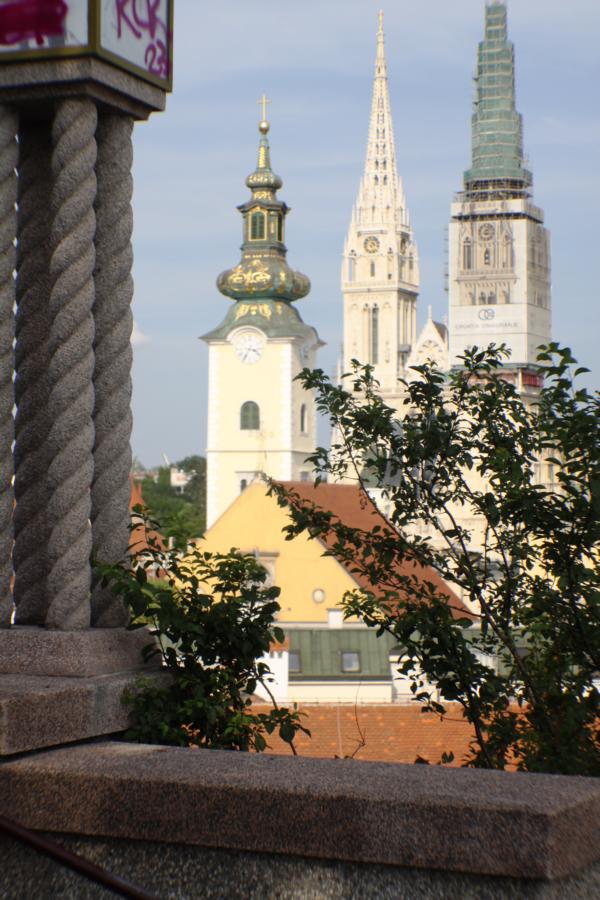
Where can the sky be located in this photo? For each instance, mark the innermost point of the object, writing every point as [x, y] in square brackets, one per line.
[315, 59]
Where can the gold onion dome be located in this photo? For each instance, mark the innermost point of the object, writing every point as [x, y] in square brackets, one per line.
[263, 271]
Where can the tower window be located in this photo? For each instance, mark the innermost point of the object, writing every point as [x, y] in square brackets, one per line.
[250, 416]
[467, 254]
[351, 267]
[372, 270]
[375, 335]
[303, 419]
[487, 257]
[257, 226]
[280, 228]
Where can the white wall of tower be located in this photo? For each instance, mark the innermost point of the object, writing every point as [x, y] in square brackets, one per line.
[285, 436]
[499, 278]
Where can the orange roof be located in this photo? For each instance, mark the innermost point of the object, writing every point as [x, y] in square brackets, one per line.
[140, 538]
[352, 506]
[387, 732]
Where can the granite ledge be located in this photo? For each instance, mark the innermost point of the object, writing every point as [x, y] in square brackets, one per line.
[484, 823]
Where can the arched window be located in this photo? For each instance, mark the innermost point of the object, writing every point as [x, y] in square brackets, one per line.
[280, 228]
[249, 416]
[352, 266]
[375, 335]
[372, 270]
[467, 254]
[257, 226]
[303, 419]
[487, 257]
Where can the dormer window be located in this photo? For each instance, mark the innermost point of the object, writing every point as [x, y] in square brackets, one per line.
[257, 226]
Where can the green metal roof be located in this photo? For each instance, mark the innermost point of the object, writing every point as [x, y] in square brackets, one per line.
[497, 127]
[321, 651]
[263, 272]
[275, 318]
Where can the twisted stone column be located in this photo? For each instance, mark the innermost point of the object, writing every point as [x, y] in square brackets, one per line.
[113, 356]
[8, 232]
[71, 399]
[31, 378]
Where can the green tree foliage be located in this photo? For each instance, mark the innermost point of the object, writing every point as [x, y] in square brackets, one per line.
[468, 446]
[213, 618]
[182, 516]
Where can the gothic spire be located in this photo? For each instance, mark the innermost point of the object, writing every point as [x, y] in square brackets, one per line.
[381, 193]
[497, 127]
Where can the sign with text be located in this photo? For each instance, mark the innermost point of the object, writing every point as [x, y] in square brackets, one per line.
[133, 34]
[138, 31]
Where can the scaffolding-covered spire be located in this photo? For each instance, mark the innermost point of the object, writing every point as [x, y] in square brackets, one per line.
[497, 127]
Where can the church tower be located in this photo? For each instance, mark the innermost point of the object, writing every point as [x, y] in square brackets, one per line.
[380, 270]
[499, 266]
[260, 421]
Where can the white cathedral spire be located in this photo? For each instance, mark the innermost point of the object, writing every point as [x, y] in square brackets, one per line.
[381, 194]
[380, 274]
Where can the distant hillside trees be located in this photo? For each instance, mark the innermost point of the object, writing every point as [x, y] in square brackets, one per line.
[181, 516]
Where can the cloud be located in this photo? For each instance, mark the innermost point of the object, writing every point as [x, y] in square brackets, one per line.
[138, 338]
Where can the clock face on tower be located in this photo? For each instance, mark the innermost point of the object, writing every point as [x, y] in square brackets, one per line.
[486, 232]
[371, 244]
[248, 347]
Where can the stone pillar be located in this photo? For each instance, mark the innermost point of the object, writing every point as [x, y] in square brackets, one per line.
[8, 227]
[65, 665]
[113, 356]
[70, 344]
[31, 375]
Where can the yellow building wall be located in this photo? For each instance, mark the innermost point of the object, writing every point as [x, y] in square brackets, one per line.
[254, 522]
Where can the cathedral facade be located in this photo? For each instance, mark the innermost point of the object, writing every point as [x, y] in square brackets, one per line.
[499, 250]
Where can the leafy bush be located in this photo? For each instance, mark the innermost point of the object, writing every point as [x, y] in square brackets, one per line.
[213, 618]
[467, 449]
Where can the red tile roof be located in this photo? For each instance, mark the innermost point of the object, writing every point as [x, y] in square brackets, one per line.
[385, 732]
[140, 538]
[352, 506]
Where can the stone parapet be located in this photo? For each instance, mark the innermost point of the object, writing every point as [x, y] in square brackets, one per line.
[62, 686]
[484, 823]
[38, 712]
[71, 654]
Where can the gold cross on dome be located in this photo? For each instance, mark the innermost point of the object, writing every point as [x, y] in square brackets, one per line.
[263, 101]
